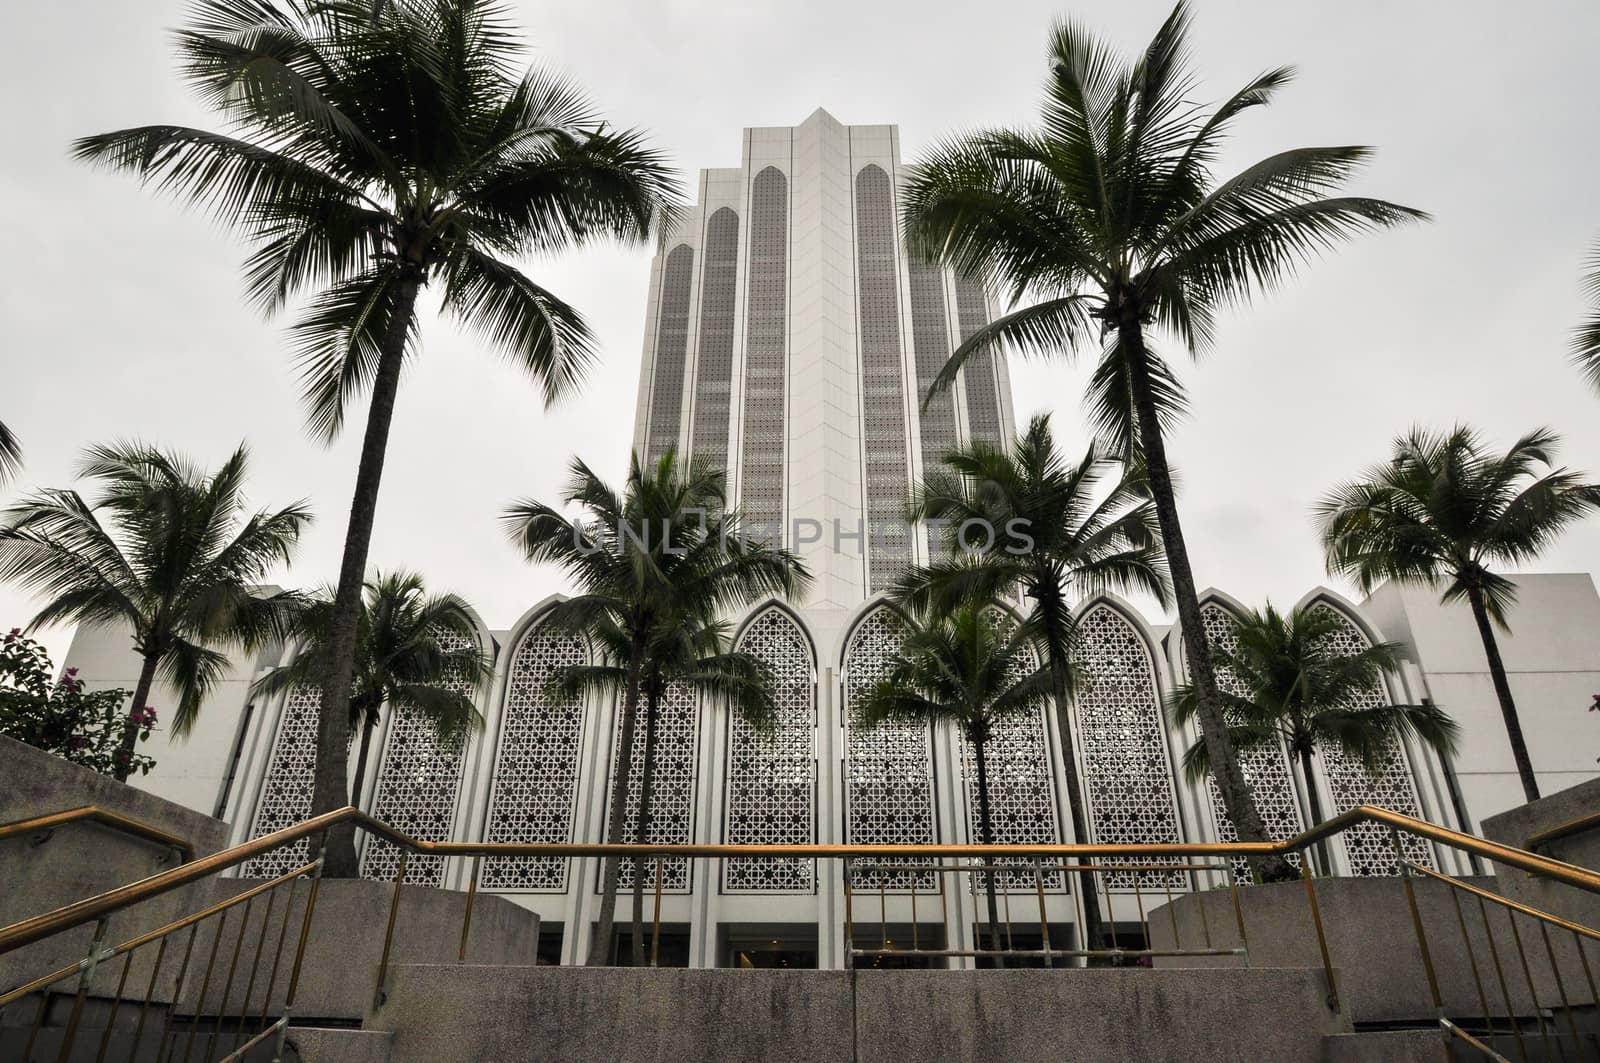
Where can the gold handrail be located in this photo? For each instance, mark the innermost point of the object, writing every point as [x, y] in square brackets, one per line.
[41, 926]
[106, 818]
[1562, 830]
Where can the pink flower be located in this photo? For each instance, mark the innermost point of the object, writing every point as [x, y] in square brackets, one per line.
[71, 672]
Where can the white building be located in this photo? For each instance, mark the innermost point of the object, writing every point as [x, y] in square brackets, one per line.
[789, 338]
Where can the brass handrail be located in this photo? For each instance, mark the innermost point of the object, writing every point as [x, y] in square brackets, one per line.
[41, 926]
[1562, 830]
[104, 817]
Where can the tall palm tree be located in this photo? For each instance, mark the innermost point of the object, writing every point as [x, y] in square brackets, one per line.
[1445, 509]
[415, 652]
[1108, 217]
[661, 553]
[10, 453]
[690, 653]
[1586, 338]
[964, 668]
[1081, 539]
[373, 151]
[165, 548]
[1295, 686]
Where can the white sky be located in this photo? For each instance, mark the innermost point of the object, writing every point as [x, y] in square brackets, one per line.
[121, 314]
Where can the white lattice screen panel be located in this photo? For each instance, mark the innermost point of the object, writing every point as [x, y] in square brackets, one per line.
[535, 765]
[761, 466]
[1265, 764]
[713, 380]
[1022, 800]
[1122, 739]
[888, 769]
[418, 783]
[671, 354]
[671, 786]
[888, 486]
[286, 791]
[982, 390]
[1368, 847]
[772, 776]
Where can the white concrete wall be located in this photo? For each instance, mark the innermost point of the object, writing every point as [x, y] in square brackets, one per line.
[1552, 658]
[190, 769]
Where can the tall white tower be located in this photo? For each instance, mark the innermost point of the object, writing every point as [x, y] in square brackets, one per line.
[791, 338]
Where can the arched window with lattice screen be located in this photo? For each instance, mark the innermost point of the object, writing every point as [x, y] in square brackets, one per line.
[771, 791]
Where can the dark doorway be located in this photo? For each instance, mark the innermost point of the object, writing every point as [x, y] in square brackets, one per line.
[548, 951]
[1028, 939]
[903, 945]
[672, 952]
[768, 946]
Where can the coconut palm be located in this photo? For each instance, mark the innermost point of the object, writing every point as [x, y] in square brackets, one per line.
[969, 669]
[415, 653]
[1586, 339]
[687, 652]
[1107, 219]
[1081, 538]
[373, 151]
[1292, 684]
[661, 553]
[10, 453]
[167, 549]
[1444, 509]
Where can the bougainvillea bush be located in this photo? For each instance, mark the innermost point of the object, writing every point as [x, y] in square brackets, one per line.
[59, 716]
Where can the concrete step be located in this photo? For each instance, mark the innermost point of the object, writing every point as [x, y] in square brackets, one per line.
[313, 1045]
[1386, 1046]
[464, 1014]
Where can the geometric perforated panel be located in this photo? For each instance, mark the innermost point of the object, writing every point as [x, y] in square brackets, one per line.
[1122, 736]
[286, 791]
[888, 485]
[1264, 763]
[536, 760]
[888, 789]
[1369, 847]
[671, 785]
[930, 337]
[982, 391]
[714, 366]
[772, 775]
[418, 783]
[761, 468]
[1022, 801]
[671, 352]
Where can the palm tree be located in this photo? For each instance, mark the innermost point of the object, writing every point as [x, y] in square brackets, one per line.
[1108, 215]
[1079, 541]
[374, 150]
[414, 653]
[10, 453]
[1445, 509]
[165, 549]
[1586, 338]
[972, 670]
[1293, 685]
[690, 653]
[658, 555]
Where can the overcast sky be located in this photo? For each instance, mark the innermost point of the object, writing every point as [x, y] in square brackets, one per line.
[121, 314]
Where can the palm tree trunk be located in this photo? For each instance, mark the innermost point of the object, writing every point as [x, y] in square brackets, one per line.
[647, 775]
[331, 787]
[361, 763]
[1231, 781]
[986, 837]
[1093, 928]
[1502, 690]
[1314, 800]
[600, 947]
[130, 727]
